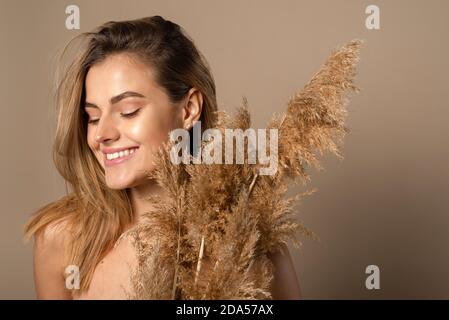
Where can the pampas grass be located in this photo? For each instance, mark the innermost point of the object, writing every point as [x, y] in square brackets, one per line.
[209, 238]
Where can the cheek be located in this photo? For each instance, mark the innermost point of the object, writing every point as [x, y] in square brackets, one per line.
[153, 128]
[93, 145]
[90, 142]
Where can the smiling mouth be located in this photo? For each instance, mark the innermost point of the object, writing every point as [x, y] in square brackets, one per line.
[112, 159]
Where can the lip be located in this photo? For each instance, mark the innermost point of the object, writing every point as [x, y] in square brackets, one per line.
[113, 162]
[112, 150]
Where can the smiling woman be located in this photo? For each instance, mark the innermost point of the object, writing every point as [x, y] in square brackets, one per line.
[129, 116]
[132, 83]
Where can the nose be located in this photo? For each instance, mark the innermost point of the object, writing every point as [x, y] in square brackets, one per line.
[106, 130]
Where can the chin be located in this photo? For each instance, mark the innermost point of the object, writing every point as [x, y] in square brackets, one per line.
[118, 185]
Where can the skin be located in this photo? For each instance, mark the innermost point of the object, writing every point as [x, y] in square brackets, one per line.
[117, 86]
[156, 117]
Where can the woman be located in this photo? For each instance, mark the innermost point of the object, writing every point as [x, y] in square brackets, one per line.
[131, 84]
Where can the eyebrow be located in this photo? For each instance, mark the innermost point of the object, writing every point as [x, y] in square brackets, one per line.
[117, 98]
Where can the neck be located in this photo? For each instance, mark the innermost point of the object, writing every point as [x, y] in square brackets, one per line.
[138, 195]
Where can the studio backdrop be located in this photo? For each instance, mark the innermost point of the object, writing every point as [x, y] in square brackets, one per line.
[383, 210]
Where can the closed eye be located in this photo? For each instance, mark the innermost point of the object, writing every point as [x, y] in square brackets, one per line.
[125, 115]
[130, 114]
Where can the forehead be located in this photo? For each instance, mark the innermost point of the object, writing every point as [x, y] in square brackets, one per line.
[116, 74]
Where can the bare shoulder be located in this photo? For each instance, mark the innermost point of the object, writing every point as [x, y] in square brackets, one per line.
[112, 278]
[49, 258]
[285, 285]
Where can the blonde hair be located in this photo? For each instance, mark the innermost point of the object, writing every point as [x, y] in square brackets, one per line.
[97, 215]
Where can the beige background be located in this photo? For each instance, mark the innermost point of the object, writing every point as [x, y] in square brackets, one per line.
[385, 204]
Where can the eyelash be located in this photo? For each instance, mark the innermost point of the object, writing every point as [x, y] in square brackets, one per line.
[124, 115]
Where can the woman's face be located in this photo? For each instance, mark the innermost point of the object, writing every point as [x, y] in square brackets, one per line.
[129, 117]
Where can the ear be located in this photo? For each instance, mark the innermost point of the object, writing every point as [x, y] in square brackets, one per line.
[191, 110]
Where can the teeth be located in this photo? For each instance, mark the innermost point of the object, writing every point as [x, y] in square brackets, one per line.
[112, 156]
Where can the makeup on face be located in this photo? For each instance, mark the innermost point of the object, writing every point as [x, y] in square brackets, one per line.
[129, 117]
[114, 156]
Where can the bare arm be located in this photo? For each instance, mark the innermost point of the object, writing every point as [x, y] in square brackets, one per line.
[49, 265]
[285, 285]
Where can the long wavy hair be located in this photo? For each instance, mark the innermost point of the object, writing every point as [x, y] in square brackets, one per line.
[95, 215]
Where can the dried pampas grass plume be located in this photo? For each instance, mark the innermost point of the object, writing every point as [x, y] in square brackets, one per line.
[210, 238]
